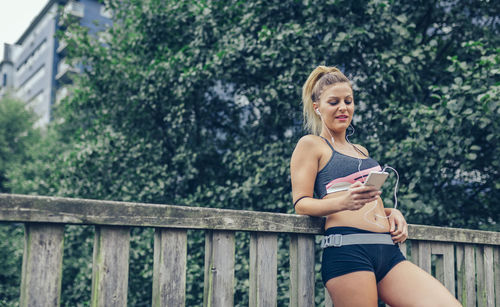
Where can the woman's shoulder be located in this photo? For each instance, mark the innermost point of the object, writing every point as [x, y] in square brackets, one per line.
[310, 140]
[309, 144]
[308, 149]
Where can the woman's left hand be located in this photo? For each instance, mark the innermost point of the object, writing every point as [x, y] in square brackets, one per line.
[399, 227]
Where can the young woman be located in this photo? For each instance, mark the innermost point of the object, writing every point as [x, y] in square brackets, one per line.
[361, 261]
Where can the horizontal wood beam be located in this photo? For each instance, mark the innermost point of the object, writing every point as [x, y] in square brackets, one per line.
[28, 208]
[457, 235]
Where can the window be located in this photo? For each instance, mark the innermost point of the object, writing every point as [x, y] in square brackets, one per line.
[4, 82]
[25, 89]
[32, 57]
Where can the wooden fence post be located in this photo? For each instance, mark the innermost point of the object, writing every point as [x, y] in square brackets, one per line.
[480, 274]
[424, 256]
[42, 265]
[110, 266]
[263, 270]
[328, 299]
[496, 272]
[489, 276]
[467, 275]
[169, 268]
[219, 269]
[302, 270]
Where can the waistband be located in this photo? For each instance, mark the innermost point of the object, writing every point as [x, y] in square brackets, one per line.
[340, 236]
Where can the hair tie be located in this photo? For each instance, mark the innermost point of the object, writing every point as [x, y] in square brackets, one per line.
[295, 203]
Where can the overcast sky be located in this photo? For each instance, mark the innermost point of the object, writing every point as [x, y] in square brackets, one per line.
[15, 18]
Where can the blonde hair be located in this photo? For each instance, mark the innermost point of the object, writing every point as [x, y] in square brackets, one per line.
[311, 91]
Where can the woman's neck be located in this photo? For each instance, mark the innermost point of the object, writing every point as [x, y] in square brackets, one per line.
[338, 138]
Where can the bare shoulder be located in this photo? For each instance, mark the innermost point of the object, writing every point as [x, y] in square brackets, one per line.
[308, 142]
[308, 147]
[304, 163]
[363, 149]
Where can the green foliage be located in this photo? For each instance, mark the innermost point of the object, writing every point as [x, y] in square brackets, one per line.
[77, 265]
[11, 256]
[198, 103]
[141, 264]
[209, 116]
[42, 171]
[456, 137]
[16, 136]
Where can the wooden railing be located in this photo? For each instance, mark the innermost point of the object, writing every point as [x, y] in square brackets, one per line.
[466, 261]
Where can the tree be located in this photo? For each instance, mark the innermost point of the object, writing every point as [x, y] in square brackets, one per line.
[213, 88]
[17, 134]
[458, 142]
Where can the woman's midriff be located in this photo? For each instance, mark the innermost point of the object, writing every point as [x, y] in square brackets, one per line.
[370, 217]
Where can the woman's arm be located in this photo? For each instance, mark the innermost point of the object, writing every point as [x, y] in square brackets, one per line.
[303, 169]
[356, 197]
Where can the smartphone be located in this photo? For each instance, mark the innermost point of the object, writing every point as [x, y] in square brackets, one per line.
[376, 179]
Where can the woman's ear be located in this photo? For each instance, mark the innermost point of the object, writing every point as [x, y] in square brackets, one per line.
[316, 108]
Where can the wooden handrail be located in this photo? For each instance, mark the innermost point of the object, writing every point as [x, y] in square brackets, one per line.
[28, 208]
[466, 261]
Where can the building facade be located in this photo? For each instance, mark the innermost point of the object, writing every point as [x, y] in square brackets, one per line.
[35, 69]
[6, 70]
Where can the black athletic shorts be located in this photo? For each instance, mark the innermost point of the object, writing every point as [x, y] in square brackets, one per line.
[377, 258]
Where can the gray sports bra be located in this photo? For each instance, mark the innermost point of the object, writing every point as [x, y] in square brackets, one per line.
[341, 171]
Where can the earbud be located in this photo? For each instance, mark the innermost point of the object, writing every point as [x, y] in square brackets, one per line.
[317, 112]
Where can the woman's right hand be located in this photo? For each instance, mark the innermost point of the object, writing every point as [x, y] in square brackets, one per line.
[359, 195]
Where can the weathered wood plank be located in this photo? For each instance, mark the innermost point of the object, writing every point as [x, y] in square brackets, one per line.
[445, 266]
[328, 299]
[169, 267]
[460, 272]
[263, 269]
[470, 277]
[453, 235]
[424, 256]
[42, 265]
[496, 273]
[301, 270]
[480, 271]
[402, 248]
[110, 266]
[414, 251]
[439, 267]
[488, 276]
[100, 212]
[219, 269]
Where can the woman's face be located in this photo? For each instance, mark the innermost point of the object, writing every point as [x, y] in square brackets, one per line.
[336, 105]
